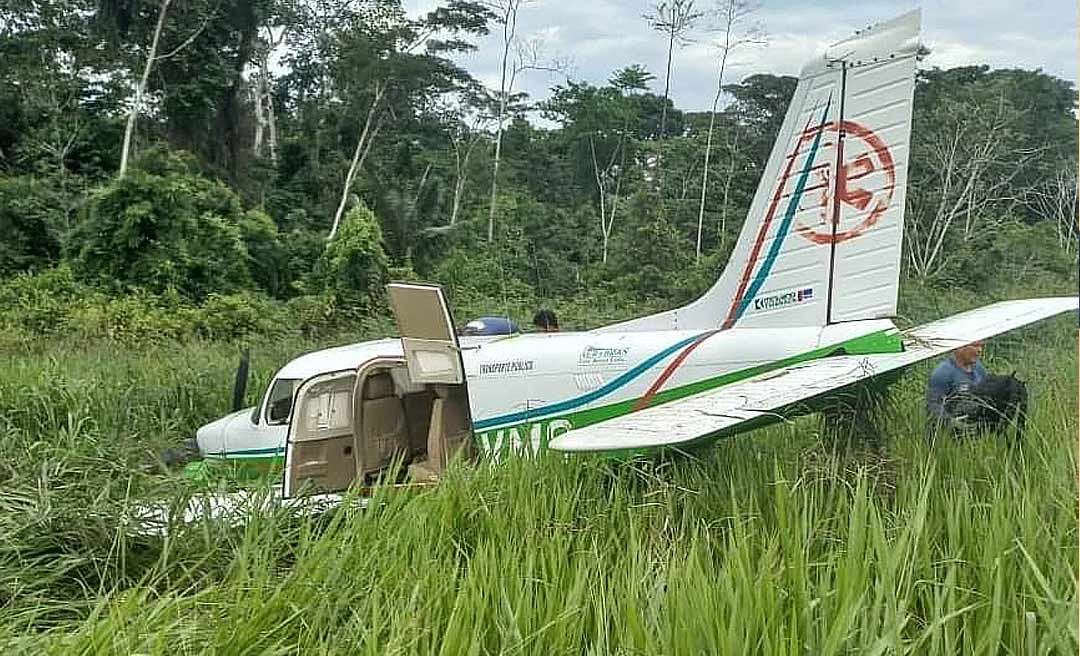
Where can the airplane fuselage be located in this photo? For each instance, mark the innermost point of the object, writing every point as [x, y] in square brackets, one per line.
[525, 389]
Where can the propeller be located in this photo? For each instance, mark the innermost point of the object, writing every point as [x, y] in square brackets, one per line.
[240, 386]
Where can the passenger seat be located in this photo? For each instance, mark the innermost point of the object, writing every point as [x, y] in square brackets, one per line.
[383, 432]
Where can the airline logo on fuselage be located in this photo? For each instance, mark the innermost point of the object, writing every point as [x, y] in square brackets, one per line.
[593, 355]
[778, 301]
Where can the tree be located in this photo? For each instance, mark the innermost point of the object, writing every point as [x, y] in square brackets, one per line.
[163, 227]
[140, 89]
[506, 14]
[526, 57]
[597, 120]
[731, 14]
[673, 19]
[464, 121]
[199, 81]
[966, 157]
[1056, 201]
[354, 268]
[381, 60]
[759, 104]
[263, 98]
[30, 220]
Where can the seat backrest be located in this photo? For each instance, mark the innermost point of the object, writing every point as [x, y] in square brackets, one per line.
[383, 432]
[449, 430]
[378, 386]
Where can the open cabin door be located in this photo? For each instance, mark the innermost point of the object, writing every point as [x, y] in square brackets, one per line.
[433, 358]
[427, 334]
[319, 446]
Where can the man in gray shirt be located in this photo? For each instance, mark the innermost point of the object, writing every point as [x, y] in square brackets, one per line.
[954, 376]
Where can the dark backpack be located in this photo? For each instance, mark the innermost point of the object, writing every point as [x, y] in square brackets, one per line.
[994, 403]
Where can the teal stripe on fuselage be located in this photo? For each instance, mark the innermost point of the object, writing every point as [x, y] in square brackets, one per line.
[577, 402]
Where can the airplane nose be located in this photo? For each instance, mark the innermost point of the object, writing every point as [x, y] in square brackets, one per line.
[208, 438]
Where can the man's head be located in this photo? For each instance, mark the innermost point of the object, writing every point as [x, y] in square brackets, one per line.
[545, 321]
[968, 354]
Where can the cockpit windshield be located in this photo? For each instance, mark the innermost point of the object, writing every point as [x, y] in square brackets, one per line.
[279, 403]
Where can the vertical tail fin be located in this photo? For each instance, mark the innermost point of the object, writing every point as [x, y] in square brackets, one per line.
[821, 243]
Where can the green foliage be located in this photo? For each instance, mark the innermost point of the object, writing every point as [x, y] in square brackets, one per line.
[160, 232]
[1013, 253]
[479, 282]
[651, 258]
[41, 303]
[55, 303]
[32, 221]
[353, 268]
[267, 256]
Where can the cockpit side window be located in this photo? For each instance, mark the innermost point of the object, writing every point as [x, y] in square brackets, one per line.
[279, 403]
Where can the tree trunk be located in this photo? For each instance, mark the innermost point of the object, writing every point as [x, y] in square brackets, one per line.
[599, 188]
[271, 125]
[459, 189]
[260, 115]
[727, 186]
[663, 120]
[230, 137]
[271, 122]
[125, 150]
[708, 140]
[363, 145]
[462, 165]
[509, 28]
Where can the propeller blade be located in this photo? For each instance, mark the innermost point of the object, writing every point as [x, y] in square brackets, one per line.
[240, 386]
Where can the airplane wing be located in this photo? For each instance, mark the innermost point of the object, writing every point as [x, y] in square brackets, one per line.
[768, 394]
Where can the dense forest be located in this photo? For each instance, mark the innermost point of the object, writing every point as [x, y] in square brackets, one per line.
[218, 168]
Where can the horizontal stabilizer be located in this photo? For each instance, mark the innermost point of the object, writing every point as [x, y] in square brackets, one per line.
[722, 410]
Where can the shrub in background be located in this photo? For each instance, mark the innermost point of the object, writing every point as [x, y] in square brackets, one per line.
[267, 256]
[42, 303]
[354, 267]
[31, 222]
[173, 230]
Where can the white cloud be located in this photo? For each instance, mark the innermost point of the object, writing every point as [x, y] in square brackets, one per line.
[601, 36]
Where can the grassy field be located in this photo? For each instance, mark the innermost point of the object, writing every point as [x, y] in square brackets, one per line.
[766, 544]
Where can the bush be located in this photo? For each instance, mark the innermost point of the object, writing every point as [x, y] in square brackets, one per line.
[477, 284]
[139, 318]
[41, 303]
[31, 217]
[1014, 253]
[354, 267]
[240, 316]
[160, 232]
[267, 257]
[302, 251]
[651, 260]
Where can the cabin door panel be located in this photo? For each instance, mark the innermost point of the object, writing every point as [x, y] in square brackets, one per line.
[319, 451]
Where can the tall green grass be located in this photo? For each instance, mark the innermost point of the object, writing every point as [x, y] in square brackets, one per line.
[765, 544]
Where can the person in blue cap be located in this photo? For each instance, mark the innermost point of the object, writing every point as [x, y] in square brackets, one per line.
[954, 377]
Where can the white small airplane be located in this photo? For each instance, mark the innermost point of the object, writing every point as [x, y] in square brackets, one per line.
[803, 309]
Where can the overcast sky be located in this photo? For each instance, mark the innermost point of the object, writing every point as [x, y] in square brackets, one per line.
[600, 36]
